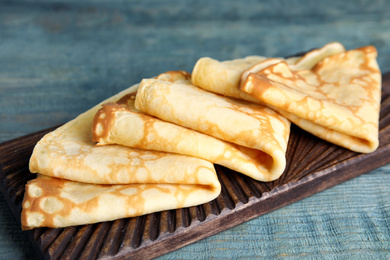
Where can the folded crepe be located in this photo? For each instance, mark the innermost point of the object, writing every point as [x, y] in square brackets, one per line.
[246, 126]
[224, 77]
[94, 184]
[329, 92]
[54, 202]
[121, 123]
[336, 98]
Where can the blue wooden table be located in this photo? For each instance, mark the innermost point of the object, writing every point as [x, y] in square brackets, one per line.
[57, 59]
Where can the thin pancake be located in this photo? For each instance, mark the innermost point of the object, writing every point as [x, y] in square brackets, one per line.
[242, 123]
[69, 154]
[53, 202]
[336, 98]
[121, 123]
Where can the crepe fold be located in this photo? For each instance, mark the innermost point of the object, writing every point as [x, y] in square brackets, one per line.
[336, 99]
[329, 92]
[89, 184]
[240, 135]
[54, 202]
[121, 123]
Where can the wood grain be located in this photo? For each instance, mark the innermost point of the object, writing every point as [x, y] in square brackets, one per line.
[313, 165]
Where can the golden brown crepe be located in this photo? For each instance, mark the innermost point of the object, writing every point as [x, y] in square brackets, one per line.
[348, 101]
[336, 98]
[121, 123]
[68, 153]
[245, 124]
[53, 202]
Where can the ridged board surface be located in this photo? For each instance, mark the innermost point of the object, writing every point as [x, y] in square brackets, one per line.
[312, 166]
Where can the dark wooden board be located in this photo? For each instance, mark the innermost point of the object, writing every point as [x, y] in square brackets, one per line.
[313, 165]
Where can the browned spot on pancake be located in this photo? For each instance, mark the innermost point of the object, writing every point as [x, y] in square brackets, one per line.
[103, 120]
[126, 99]
[174, 75]
[260, 82]
[48, 187]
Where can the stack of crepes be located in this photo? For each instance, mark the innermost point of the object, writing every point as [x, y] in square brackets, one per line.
[152, 147]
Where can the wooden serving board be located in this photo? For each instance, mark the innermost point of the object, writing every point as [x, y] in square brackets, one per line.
[313, 165]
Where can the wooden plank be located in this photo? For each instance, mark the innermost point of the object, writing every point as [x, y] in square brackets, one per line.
[313, 165]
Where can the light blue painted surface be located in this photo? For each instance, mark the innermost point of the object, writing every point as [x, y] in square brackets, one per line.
[57, 59]
[349, 221]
